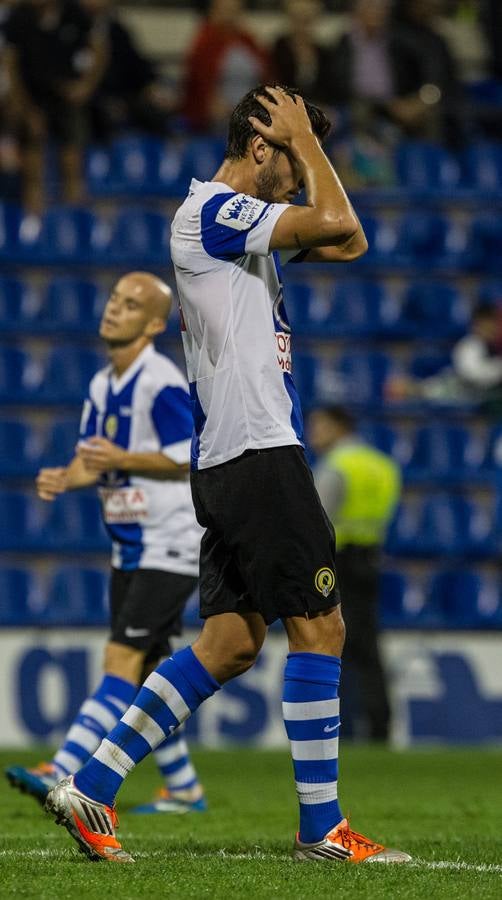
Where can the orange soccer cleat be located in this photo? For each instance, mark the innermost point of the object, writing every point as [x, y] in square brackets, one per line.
[91, 824]
[342, 844]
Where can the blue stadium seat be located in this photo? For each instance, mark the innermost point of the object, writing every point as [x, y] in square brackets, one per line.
[77, 597]
[492, 462]
[19, 305]
[73, 523]
[20, 449]
[430, 241]
[306, 308]
[402, 537]
[446, 452]
[385, 438]
[467, 599]
[202, 157]
[68, 371]
[75, 236]
[483, 163]
[60, 442]
[362, 308]
[425, 365]
[403, 603]
[18, 587]
[140, 237]
[435, 310]
[20, 376]
[357, 378]
[453, 525]
[427, 168]
[486, 242]
[73, 305]
[22, 518]
[490, 291]
[382, 244]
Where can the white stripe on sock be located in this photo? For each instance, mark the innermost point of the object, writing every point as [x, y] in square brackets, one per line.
[315, 709]
[164, 756]
[67, 762]
[168, 693]
[311, 794]
[118, 703]
[84, 737]
[115, 758]
[319, 750]
[144, 725]
[182, 776]
[95, 710]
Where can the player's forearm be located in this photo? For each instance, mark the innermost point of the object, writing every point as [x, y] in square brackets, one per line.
[153, 465]
[324, 191]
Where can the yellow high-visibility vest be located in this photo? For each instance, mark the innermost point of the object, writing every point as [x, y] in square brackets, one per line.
[372, 487]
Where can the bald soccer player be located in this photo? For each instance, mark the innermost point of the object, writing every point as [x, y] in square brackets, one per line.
[135, 447]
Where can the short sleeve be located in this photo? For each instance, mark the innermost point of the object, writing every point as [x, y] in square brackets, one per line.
[234, 225]
[292, 256]
[88, 420]
[173, 422]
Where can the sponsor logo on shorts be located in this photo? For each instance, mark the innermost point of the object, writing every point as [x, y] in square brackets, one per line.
[136, 632]
[324, 581]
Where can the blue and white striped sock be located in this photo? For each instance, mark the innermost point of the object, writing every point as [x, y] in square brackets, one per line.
[168, 697]
[311, 710]
[173, 760]
[96, 717]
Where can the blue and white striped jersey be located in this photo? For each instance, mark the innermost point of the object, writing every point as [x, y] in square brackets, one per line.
[235, 329]
[151, 522]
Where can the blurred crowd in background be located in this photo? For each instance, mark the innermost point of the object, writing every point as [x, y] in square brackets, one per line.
[73, 72]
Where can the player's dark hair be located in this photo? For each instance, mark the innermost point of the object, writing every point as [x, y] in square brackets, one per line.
[240, 130]
[340, 416]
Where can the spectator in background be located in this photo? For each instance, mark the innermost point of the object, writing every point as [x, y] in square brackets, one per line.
[10, 160]
[298, 57]
[475, 374]
[54, 63]
[223, 64]
[434, 73]
[399, 71]
[129, 93]
[359, 488]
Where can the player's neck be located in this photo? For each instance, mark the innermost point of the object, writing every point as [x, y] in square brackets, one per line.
[238, 174]
[123, 356]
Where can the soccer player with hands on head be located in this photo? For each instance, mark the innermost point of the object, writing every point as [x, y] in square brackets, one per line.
[268, 550]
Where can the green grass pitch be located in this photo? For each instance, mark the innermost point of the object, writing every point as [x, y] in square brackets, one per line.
[443, 806]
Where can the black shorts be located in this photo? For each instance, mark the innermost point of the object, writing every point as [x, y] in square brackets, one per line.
[269, 546]
[146, 607]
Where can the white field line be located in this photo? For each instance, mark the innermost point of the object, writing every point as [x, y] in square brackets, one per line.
[450, 865]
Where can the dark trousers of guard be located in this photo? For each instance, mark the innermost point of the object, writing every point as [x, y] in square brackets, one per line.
[364, 704]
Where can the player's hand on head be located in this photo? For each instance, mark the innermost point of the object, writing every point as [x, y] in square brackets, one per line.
[288, 114]
[51, 482]
[100, 455]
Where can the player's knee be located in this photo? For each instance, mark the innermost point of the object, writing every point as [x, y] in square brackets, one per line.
[324, 633]
[124, 662]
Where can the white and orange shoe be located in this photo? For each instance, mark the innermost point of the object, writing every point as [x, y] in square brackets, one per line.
[342, 844]
[91, 824]
[176, 802]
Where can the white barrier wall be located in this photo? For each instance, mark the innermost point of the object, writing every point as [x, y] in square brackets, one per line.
[445, 687]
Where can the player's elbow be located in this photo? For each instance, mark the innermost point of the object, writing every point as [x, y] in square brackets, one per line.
[356, 247]
[338, 229]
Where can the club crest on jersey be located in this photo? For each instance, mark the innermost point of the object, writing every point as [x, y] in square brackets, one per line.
[111, 427]
[240, 212]
[324, 581]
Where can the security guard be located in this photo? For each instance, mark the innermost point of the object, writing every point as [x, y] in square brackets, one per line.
[359, 487]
